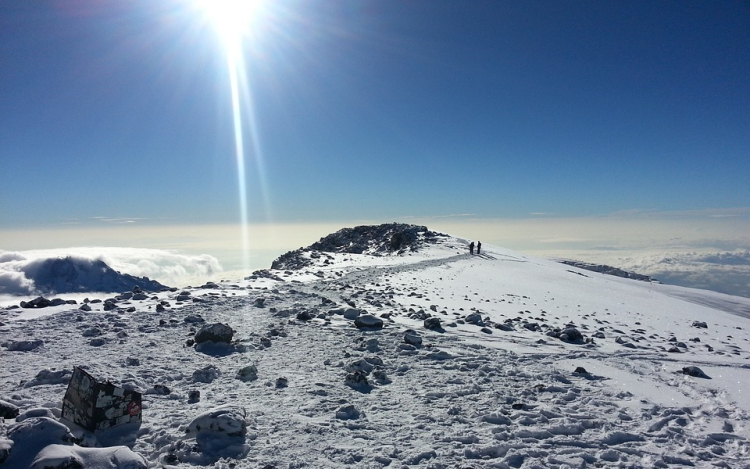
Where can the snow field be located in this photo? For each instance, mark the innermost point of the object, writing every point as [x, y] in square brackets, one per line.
[465, 397]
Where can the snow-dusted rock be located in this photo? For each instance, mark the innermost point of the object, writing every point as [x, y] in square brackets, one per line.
[30, 436]
[35, 413]
[304, 315]
[433, 324]
[74, 457]
[357, 380]
[361, 365]
[348, 412]
[368, 321]
[24, 345]
[92, 332]
[184, 296]
[411, 337]
[351, 313]
[216, 332]
[225, 421]
[247, 373]
[571, 334]
[695, 372]
[206, 374]
[193, 319]
[212, 435]
[8, 410]
[49, 376]
[474, 318]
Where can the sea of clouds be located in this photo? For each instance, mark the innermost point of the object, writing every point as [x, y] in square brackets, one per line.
[721, 271]
[17, 268]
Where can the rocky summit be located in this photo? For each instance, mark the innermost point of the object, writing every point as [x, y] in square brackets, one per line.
[375, 240]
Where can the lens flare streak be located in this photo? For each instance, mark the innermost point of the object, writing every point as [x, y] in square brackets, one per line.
[235, 64]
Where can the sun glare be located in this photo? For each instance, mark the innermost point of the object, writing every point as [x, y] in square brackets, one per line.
[231, 18]
[233, 22]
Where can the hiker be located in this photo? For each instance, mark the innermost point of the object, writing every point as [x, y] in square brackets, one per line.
[479, 247]
[471, 247]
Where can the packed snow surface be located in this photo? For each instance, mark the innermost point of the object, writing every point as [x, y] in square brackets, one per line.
[490, 360]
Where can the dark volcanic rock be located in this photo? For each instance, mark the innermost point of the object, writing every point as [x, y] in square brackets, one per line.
[8, 410]
[433, 324]
[695, 372]
[24, 345]
[368, 321]
[365, 239]
[216, 332]
[38, 302]
[412, 338]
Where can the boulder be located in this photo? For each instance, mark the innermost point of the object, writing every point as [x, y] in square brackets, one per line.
[695, 372]
[24, 345]
[304, 315]
[216, 332]
[358, 381]
[38, 302]
[433, 324]
[368, 321]
[474, 318]
[571, 334]
[206, 374]
[411, 337]
[219, 423]
[8, 410]
[247, 373]
[700, 324]
[352, 313]
[348, 412]
[73, 457]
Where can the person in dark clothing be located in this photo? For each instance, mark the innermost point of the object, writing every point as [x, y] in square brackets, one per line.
[471, 247]
[479, 247]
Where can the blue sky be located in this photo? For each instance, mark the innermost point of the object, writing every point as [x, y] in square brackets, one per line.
[374, 109]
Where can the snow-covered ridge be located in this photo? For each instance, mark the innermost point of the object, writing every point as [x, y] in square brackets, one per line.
[492, 360]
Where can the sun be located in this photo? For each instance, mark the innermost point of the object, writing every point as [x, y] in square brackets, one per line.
[232, 19]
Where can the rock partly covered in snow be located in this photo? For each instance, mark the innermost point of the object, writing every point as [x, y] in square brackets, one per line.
[368, 321]
[217, 332]
[366, 239]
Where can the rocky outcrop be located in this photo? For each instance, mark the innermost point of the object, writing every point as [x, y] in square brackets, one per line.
[389, 238]
[609, 270]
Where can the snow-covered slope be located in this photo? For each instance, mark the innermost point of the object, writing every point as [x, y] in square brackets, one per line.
[661, 381]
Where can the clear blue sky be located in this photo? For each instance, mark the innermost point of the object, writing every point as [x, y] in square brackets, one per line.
[375, 109]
